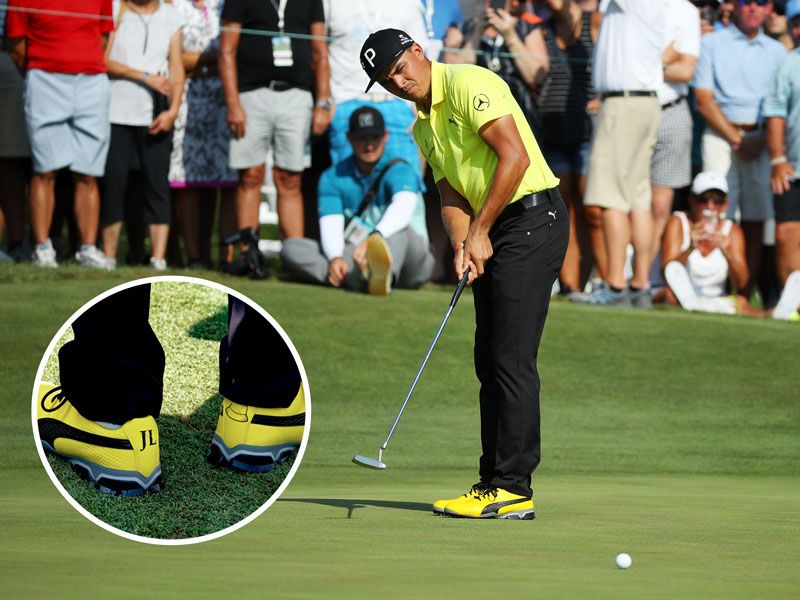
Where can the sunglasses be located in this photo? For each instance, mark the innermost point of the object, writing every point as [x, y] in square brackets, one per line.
[759, 2]
[718, 199]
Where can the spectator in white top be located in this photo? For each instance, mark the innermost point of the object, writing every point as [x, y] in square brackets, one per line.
[349, 23]
[671, 165]
[627, 73]
[703, 249]
[144, 60]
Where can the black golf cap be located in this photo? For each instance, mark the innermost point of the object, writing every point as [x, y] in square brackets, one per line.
[380, 51]
[366, 121]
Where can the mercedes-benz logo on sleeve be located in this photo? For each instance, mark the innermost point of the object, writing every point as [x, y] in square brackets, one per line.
[480, 102]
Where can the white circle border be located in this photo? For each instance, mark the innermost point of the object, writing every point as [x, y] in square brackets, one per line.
[140, 538]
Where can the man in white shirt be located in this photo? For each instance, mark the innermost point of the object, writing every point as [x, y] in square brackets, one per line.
[627, 73]
[349, 23]
[671, 165]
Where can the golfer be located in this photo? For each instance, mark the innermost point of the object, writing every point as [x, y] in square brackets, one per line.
[509, 228]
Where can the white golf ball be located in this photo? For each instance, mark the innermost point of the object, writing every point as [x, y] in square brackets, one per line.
[624, 560]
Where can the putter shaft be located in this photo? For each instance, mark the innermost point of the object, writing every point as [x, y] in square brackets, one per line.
[453, 301]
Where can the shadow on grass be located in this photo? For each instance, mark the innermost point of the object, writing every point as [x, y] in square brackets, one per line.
[351, 505]
[211, 328]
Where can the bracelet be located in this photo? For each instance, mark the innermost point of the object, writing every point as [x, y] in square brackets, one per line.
[144, 78]
[778, 160]
[459, 246]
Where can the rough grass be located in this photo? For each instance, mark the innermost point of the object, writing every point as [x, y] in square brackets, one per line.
[670, 436]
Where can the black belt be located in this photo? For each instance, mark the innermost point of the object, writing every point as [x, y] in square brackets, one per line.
[673, 103]
[530, 201]
[626, 93]
[280, 86]
[539, 198]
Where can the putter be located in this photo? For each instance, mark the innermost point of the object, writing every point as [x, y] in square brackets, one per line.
[378, 464]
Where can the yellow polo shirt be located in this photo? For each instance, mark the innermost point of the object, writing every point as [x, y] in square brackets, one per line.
[463, 99]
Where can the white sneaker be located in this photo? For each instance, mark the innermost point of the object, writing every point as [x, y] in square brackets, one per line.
[44, 255]
[90, 256]
[159, 264]
[790, 299]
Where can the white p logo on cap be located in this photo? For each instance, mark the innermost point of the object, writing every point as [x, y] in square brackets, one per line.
[366, 120]
[369, 56]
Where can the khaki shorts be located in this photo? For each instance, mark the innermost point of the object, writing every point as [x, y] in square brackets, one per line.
[280, 121]
[622, 146]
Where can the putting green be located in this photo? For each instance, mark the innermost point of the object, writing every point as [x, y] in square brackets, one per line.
[670, 436]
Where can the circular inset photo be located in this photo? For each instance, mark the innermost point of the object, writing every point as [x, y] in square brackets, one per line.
[171, 410]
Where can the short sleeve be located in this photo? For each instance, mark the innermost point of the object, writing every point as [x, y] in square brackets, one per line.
[479, 96]
[400, 178]
[704, 75]
[329, 200]
[777, 100]
[16, 21]
[233, 11]
[106, 16]
[317, 11]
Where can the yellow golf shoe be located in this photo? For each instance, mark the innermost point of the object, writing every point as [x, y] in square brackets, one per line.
[440, 505]
[491, 503]
[255, 439]
[117, 459]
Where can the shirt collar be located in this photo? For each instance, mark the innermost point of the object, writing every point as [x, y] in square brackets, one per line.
[437, 87]
[739, 35]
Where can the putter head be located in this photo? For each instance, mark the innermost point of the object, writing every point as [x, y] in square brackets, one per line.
[369, 463]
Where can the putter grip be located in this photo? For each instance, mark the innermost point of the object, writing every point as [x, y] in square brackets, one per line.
[459, 288]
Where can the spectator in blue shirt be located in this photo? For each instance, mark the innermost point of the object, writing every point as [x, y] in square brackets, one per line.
[782, 111]
[371, 219]
[735, 71]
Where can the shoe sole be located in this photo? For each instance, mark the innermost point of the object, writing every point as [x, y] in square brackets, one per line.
[379, 259]
[515, 515]
[249, 459]
[111, 481]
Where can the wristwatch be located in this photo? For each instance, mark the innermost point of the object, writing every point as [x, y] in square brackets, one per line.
[326, 104]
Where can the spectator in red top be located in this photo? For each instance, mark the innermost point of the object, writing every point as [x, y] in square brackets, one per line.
[66, 110]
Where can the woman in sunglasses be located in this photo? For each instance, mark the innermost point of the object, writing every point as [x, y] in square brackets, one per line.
[702, 250]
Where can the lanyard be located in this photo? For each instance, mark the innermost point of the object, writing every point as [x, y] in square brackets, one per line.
[280, 10]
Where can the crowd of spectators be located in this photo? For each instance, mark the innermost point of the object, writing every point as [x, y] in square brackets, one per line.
[164, 112]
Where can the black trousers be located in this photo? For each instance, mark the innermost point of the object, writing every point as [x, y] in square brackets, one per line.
[511, 302]
[256, 367]
[113, 370]
[133, 149]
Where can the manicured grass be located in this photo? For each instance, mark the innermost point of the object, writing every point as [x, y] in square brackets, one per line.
[670, 436]
[197, 498]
